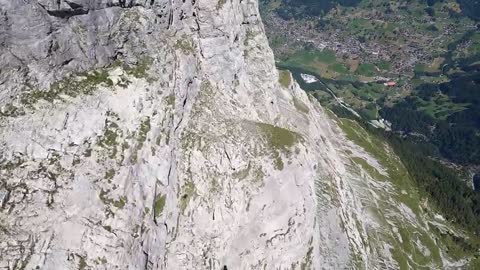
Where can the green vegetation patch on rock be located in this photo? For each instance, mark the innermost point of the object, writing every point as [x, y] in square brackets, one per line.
[249, 35]
[307, 260]
[300, 106]
[140, 69]
[188, 191]
[284, 78]
[120, 203]
[83, 83]
[385, 156]
[159, 204]
[186, 45]
[10, 110]
[109, 139]
[170, 100]
[278, 138]
[82, 264]
[220, 4]
[279, 141]
[372, 171]
[417, 244]
[144, 129]
[109, 175]
[141, 137]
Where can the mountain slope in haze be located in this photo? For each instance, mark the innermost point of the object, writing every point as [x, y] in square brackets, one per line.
[160, 135]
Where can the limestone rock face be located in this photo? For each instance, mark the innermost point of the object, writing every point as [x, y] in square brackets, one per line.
[155, 135]
[151, 135]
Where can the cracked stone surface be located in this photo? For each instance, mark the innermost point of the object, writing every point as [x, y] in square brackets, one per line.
[155, 135]
[145, 135]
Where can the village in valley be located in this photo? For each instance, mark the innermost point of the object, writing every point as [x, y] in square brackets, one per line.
[373, 52]
[397, 34]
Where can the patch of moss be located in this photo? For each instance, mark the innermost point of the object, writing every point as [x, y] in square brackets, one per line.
[141, 137]
[108, 201]
[300, 106]
[107, 228]
[215, 186]
[10, 165]
[103, 196]
[373, 172]
[278, 138]
[170, 99]
[258, 175]
[109, 174]
[277, 161]
[121, 202]
[53, 158]
[220, 4]
[109, 139]
[102, 260]
[400, 258]
[98, 77]
[139, 70]
[110, 135]
[190, 140]
[123, 81]
[188, 191]
[458, 246]
[185, 45]
[80, 30]
[144, 129]
[307, 260]
[74, 85]
[249, 35]
[82, 264]
[159, 205]
[87, 152]
[474, 263]
[10, 110]
[125, 146]
[284, 78]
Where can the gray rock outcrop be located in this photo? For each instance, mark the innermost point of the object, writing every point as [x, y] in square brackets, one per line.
[149, 134]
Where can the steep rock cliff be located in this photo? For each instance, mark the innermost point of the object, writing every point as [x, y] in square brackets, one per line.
[150, 135]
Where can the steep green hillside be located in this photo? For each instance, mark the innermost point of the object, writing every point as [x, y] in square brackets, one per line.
[430, 51]
[401, 220]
